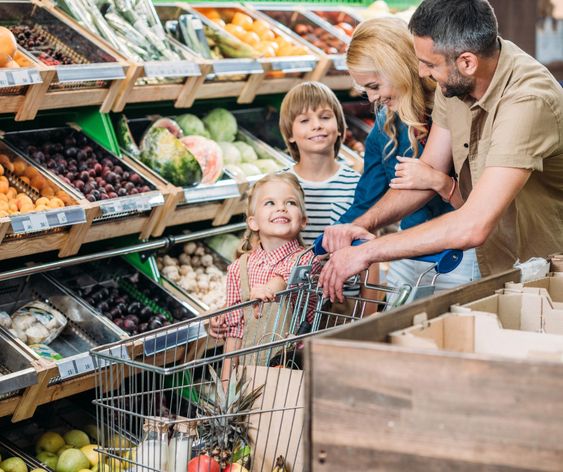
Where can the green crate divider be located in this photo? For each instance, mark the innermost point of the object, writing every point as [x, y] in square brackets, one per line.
[141, 297]
[147, 267]
[183, 380]
[98, 126]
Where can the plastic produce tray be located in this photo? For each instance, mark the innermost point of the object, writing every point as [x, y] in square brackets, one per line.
[227, 186]
[117, 276]
[83, 331]
[112, 207]
[85, 65]
[337, 16]
[16, 369]
[36, 223]
[292, 19]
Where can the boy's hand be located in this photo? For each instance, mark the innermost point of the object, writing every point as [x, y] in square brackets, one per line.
[217, 327]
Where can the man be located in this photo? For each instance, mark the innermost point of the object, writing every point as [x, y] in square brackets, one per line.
[498, 119]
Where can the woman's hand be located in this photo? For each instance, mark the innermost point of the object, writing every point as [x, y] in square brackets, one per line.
[414, 174]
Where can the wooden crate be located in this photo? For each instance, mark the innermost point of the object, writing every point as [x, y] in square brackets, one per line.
[375, 406]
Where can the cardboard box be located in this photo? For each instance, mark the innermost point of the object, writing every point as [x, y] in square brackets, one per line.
[480, 333]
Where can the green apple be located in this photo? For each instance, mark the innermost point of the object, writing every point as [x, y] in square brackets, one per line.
[13, 464]
[48, 458]
[72, 460]
[66, 447]
[50, 442]
[76, 438]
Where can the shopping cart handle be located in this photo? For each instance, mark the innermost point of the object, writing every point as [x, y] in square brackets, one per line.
[445, 261]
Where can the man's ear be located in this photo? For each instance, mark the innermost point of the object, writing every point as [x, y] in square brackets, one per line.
[467, 63]
[251, 222]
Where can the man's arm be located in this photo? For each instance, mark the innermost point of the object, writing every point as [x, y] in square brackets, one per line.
[395, 204]
[465, 228]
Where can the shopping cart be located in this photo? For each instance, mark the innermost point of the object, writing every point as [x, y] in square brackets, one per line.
[164, 402]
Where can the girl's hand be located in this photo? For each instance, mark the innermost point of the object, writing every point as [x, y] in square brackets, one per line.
[217, 327]
[262, 292]
[414, 174]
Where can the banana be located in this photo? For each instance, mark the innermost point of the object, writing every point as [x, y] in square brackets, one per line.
[280, 465]
[232, 47]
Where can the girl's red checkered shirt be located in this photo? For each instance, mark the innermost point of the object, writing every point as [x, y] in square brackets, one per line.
[262, 266]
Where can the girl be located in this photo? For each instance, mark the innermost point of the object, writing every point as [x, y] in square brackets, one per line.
[382, 61]
[270, 247]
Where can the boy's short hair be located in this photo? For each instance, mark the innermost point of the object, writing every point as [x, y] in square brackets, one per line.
[305, 96]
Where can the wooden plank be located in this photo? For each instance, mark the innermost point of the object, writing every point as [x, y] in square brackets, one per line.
[377, 327]
[77, 233]
[399, 409]
[199, 212]
[5, 226]
[11, 103]
[126, 86]
[61, 99]
[116, 227]
[113, 92]
[323, 66]
[248, 93]
[188, 94]
[338, 82]
[19, 247]
[154, 93]
[174, 197]
[8, 406]
[35, 96]
[31, 396]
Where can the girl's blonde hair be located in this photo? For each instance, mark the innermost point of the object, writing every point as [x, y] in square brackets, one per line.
[309, 96]
[384, 45]
[251, 239]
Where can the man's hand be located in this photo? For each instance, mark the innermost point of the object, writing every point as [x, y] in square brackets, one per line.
[342, 264]
[217, 327]
[339, 236]
[414, 174]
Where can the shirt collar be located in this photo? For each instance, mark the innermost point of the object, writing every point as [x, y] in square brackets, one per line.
[275, 256]
[500, 78]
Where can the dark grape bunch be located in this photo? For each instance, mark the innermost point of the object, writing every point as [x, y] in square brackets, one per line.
[33, 40]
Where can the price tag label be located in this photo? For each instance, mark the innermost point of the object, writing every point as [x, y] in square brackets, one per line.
[16, 77]
[132, 204]
[89, 72]
[237, 66]
[45, 220]
[171, 69]
[177, 337]
[294, 65]
[117, 352]
[73, 367]
[205, 193]
[339, 62]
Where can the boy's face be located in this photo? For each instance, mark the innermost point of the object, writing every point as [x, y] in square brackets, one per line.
[315, 132]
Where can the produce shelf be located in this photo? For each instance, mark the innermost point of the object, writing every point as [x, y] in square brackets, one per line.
[76, 70]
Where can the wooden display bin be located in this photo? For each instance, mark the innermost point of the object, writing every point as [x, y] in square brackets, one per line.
[378, 406]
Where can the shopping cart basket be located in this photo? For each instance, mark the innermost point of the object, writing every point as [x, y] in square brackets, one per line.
[164, 402]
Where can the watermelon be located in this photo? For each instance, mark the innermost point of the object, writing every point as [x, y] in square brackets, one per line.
[170, 125]
[209, 155]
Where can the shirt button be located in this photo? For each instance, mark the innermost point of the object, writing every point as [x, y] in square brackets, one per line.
[465, 145]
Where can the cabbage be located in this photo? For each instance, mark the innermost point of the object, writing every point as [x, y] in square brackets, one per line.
[225, 245]
[221, 124]
[247, 153]
[231, 154]
[250, 169]
[267, 166]
[192, 125]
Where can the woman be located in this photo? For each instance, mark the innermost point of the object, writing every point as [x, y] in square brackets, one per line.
[382, 61]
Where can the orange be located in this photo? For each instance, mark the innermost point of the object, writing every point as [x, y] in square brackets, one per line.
[4, 206]
[1, 170]
[47, 192]
[266, 35]
[4, 185]
[12, 65]
[258, 26]
[8, 45]
[27, 207]
[38, 182]
[12, 206]
[242, 19]
[19, 167]
[25, 179]
[210, 13]
[31, 172]
[3, 197]
[6, 162]
[22, 60]
[11, 193]
[251, 38]
[236, 30]
[41, 207]
[56, 203]
[42, 201]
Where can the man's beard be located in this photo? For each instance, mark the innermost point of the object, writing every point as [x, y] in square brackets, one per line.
[457, 85]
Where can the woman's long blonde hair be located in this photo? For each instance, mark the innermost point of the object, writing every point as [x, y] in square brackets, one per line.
[251, 239]
[385, 46]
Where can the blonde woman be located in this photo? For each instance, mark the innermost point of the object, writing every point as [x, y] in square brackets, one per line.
[382, 61]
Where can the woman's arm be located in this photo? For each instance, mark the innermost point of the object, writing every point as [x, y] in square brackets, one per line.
[414, 174]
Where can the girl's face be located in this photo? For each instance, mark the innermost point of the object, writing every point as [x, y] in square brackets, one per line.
[377, 87]
[277, 214]
[315, 131]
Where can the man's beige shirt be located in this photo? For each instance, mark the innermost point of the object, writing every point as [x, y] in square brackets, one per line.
[517, 123]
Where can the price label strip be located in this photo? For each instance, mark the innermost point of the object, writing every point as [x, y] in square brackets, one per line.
[135, 204]
[89, 72]
[178, 337]
[86, 363]
[294, 65]
[171, 69]
[118, 352]
[237, 66]
[339, 62]
[17, 77]
[45, 220]
[206, 193]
